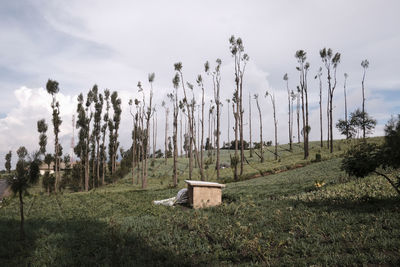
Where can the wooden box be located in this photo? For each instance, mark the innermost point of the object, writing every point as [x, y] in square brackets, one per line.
[204, 194]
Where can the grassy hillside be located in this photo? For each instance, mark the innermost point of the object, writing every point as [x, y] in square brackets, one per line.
[279, 219]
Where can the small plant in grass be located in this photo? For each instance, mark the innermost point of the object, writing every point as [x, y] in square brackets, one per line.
[48, 182]
[318, 157]
[319, 184]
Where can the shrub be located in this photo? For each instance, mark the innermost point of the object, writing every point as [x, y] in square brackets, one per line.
[364, 158]
[48, 182]
[318, 157]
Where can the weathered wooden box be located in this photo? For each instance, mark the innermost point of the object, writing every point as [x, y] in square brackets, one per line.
[204, 194]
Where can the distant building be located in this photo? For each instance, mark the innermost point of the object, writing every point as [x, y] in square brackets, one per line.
[46, 168]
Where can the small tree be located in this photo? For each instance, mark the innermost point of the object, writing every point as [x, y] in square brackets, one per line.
[366, 158]
[27, 174]
[8, 161]
[361, 121]
[346, 128]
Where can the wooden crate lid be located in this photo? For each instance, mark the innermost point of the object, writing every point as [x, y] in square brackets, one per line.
[204, 184]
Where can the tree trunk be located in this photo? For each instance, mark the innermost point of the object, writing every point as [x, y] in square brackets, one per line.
[218, 134]
[154, 136]
[235, 176]
[166, 135]
[241, 125]
[202, 132]
[328, 109]
[363, 105]
[251, 143]
[289, 122]
[190, 145]
[93, 169]
[345, 109]
[56, 164]
[304, 123]
[261, 138]
[390, 181]
[87, 159]
[276, 128]
[21, 209]
[229, 128]
[298, 118]
[306, 132]
[190, 121]
[174, 137]
[320, 110]
[133, 152]
[331, 124]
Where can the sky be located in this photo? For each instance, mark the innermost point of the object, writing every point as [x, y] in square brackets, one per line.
[115, 44]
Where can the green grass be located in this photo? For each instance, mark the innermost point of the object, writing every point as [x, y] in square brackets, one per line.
[279, 219]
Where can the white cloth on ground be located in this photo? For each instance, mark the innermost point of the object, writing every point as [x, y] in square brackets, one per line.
[181, 198]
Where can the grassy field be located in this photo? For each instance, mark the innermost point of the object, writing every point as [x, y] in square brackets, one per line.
[279, 219]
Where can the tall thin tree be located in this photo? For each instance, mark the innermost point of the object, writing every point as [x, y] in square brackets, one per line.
[163, 104]
[178, 68]
[319, 74]
[200, 84]
[303, 67]
[364, 65]
[241, 59]
[275, 122]
[261, 137]
[250, 143]
[345, 106]
[229, 121]
[174, 100]
[103, 132]
[52, 88]
[286, 79]
[331, 64]
[216, 78]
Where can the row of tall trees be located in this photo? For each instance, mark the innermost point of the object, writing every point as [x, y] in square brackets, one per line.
[96, 119]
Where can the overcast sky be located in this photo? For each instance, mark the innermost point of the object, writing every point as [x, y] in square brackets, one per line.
[114, 44]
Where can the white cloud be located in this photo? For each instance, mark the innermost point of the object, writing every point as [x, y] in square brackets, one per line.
[115, 44]
[19, 127]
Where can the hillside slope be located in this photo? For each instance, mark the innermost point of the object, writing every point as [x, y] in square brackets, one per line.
[280, 219]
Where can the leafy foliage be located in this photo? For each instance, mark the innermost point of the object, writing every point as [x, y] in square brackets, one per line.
[361, 160]
[365, 158]
[7, 164]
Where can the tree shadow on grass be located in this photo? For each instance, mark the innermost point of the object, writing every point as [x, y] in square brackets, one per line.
[78, 242]
[361, 205]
